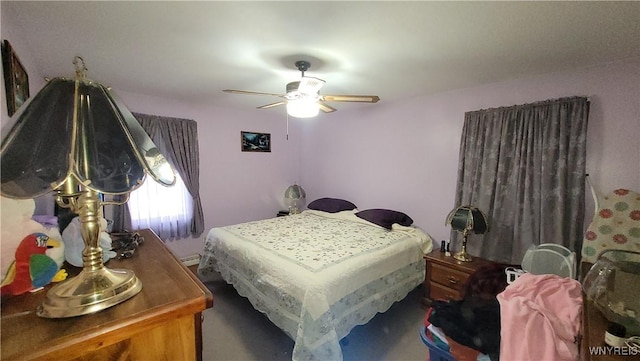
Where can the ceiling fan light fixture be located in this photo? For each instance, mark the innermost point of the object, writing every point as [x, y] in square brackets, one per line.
[303, 97]
[310, 85]
[303, 108]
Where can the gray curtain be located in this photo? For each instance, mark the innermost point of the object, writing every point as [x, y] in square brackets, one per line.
[177, 139]
[121, 215]
[524, 167]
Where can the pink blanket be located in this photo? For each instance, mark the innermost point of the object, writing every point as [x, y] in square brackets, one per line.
[540, 318]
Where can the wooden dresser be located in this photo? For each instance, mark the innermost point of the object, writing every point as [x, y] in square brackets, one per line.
[162, 322]
[446, 276]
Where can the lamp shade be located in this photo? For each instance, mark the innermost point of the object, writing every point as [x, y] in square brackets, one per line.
[75, 137]
[294, 198]
[467, 218]
[78, 127]
[294, 194]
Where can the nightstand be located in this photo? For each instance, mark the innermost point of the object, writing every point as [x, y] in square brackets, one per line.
[446, 276]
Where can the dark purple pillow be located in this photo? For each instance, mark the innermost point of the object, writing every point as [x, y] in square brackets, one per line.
[331, 205]
[385, 217]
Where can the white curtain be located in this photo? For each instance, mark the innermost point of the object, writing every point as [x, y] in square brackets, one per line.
[166, 210]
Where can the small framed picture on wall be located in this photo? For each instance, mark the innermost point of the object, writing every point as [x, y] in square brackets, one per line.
[255, 142]
[16, 80]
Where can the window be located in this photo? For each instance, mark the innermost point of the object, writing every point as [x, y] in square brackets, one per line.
[168, 211]
[171, 212]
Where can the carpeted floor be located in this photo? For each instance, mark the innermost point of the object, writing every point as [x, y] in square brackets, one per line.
[233, 330]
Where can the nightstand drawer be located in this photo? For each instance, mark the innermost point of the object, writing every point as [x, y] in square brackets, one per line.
[440, 292]
[448, 277]
[445, 276]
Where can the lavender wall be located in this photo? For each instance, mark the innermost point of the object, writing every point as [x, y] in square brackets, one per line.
[401, 156]
[235, 186]
[12, 33]
[404, 156]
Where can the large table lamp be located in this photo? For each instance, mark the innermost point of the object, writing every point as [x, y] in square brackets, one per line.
[77, 139]
[466, 219]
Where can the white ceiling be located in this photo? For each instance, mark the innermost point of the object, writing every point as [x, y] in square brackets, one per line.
[192, 50]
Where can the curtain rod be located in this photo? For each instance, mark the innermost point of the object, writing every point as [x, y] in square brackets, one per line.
[541, 102]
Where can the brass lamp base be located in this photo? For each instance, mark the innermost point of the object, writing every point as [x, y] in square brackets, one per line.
[89, 292]
[95, 287]
[463, 256]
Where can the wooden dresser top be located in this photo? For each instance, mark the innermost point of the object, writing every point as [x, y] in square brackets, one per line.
[169, 290]
[467, 267]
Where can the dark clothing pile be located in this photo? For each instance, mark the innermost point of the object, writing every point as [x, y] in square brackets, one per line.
[474, 321]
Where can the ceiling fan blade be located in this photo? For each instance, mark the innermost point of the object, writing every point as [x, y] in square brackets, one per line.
[310, 85]
[232, 91]
[351, 98]
[325, 108]
[272, 105]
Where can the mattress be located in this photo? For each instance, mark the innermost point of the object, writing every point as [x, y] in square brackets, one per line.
[316, 275]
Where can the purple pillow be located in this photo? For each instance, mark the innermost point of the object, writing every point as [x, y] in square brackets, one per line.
[331, 205]
[385, 217]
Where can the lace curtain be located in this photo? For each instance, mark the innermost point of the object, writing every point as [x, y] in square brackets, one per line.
[168, 211]
[177, 139]
[524, 167]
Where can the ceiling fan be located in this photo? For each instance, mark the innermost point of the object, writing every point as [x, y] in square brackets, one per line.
[303, 99]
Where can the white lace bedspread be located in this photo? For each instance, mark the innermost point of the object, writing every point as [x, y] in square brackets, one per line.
[317, 275]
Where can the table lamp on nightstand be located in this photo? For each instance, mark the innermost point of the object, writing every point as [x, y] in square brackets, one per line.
[294, 198]
[77, 139]
[466, 219]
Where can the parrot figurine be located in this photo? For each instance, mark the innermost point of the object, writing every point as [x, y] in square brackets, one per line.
[37, 263]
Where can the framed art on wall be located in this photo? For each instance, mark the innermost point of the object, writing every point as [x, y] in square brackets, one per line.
[255, 142]
[16, 80]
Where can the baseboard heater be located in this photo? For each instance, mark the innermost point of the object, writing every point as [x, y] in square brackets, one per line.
[191, 260]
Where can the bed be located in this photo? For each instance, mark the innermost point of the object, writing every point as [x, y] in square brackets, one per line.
[316, 275]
